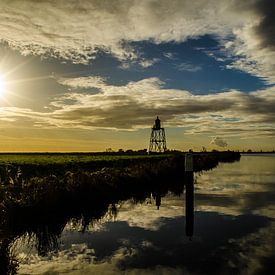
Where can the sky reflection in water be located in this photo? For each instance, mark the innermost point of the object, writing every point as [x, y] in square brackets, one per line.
[233, 230]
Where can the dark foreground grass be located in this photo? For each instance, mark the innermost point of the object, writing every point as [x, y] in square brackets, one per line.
[18, 169]
[25, 182]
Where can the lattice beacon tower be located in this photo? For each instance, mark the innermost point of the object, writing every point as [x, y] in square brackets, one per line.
[157, 139]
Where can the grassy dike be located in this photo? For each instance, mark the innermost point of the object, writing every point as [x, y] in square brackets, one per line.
[32, 180]
[40, 188]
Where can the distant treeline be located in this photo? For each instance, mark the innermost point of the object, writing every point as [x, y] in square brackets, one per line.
[258, 152]
[111, 152]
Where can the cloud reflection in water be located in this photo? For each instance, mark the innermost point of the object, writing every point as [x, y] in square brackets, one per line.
[233, 233]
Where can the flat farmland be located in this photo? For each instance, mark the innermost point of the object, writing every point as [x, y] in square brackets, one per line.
[69, 158]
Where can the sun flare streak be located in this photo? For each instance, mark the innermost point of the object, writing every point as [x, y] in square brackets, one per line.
[2, 86]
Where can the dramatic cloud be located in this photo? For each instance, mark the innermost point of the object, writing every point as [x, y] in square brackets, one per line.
[76, 30]
[219, 142]
[134, 106]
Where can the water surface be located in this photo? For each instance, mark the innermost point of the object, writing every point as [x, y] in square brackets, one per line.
[229, 230]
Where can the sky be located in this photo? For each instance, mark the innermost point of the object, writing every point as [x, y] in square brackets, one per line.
[89, 75]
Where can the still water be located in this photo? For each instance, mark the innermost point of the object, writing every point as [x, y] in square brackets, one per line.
[229, 229]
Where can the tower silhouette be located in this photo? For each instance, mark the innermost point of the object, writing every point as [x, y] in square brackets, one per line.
[157, 139]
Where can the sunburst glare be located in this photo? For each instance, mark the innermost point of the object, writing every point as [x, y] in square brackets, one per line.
[2, 86]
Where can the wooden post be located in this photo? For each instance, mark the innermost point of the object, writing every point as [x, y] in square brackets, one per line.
[189, 195]
[188, 165]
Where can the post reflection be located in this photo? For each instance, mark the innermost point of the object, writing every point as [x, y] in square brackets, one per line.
[189, 204]
[157, 197]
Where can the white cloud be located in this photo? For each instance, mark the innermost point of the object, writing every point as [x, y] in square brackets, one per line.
[249, 56]
[145, 63]
[138, 61]
[169, 55]
[83, 82]
[219, 142]
[188, 67]
[76, 30]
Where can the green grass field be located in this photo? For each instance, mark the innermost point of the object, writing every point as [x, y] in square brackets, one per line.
[56, 158]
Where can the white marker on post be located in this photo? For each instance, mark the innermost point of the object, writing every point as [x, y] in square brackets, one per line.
[188, 162]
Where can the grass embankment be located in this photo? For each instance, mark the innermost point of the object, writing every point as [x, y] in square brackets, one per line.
[29, 179]
[67, 158]
[44, 164]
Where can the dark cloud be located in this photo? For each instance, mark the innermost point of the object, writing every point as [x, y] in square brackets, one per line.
[129, 113]
[265, 30]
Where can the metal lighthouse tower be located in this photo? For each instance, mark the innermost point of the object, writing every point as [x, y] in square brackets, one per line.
[157, 139]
